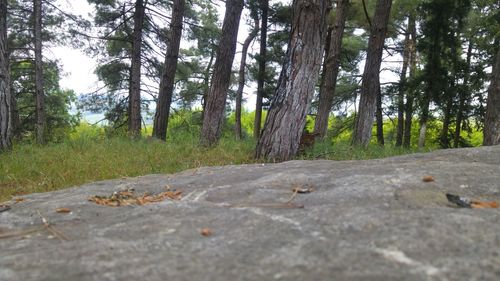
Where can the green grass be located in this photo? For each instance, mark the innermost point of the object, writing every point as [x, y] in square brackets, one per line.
[31, 168]
[89, 154]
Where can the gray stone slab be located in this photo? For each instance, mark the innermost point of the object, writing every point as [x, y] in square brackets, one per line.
[365, 220]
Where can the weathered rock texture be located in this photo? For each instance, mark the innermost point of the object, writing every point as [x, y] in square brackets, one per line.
[365, 220]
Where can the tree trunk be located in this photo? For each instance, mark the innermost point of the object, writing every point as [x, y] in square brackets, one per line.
[206, 83]
[134, 118]
[423, 121]
[241, 77]
[39, 93]
[492, 119]
[287, 116]
[168, 77]
[216, 99]
[5, 95]
[463, 97]
[402, 88]
[371, 82]
[443, 139]
[380, 119]
[331, 69]
[262, 70]
[413, 70]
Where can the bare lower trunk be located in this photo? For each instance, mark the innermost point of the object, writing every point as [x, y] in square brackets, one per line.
[402, 88]
[206, 83]
[331, 69]
[216, 99]
[371, 82]
[287, 116]
[444, 140]
[168, 77]
[5, 95]
[423, 123]
[40, 125]
[492, 119]
[262, 70]
[380, 120]
[134, 118]
[241, 78]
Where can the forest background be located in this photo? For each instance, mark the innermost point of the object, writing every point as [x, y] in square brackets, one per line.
[437, 61]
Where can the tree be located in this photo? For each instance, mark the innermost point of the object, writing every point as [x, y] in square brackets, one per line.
[492, 119]
[41, 122]
[5, 96]
[241, 73]
[331, 68]
[402, 85]
[216, 99]
[264, 7]
[134, 107]
[287, 116]
[168, 76]
[371, 82]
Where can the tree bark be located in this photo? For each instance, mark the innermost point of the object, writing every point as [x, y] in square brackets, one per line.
[160, 124]
[402, 88]
[371, 81]
[413, 70]
[262, 70]
[216, 99]
[492, 119]
[331, 69]
[41, 122]
[287, 116]
[380, 120]
[5, 95]
[134, 118]
[241, 77]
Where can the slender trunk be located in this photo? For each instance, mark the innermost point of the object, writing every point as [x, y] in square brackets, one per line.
[371, 81]
[402, 88]
[168, 77]
[380, 120]
[39, 93]
[423, 121]
[206, 83]
[463, 98]
[287, 116]
[492, 118]
[331, 69]
[411, 93]
[5, 94]
[241, 77]
[216, 99]
[134, 119]
[450, 92]
[444, 140]
[262, 70]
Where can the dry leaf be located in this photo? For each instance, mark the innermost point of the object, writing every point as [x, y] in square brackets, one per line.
[483, 204]
[63, 210]
[428, 179]
[206, 231]
[128, 197]
[303, 189]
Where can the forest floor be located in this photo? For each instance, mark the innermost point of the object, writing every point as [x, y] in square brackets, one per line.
[30, 168]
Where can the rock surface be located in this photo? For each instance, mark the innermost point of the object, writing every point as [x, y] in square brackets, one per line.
[364, 220]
